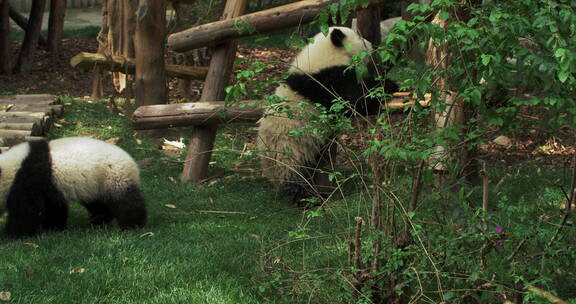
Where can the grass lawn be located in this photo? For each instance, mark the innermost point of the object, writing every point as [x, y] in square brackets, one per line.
[211, 248]
[235, 240]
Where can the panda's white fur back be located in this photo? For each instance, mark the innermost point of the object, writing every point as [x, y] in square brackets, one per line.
[321, 53]
[84, 168]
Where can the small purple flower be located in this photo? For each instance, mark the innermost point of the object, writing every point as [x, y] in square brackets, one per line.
[499, 229]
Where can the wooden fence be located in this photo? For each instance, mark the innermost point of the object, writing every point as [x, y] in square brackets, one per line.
[24, 5]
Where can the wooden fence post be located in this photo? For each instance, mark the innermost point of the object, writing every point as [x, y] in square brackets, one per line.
[221, 64]
[150, 74]
[24, 64]
[56, 24]
[5, 50]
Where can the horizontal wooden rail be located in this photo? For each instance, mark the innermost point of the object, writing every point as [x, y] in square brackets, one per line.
[87, 61]
[272, 19]
[192, 114]
[215, 112]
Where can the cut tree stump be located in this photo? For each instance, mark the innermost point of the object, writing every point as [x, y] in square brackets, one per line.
[26, 117]
[87, 61]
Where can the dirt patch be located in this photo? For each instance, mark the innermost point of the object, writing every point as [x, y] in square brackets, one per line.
[52, 73]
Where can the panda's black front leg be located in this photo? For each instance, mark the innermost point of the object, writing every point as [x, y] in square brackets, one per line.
[25, 214]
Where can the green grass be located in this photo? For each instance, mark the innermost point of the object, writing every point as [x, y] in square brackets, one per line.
[236, 240]
[183, 255]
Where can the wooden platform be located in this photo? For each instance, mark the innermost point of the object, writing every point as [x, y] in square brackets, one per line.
[26, 117]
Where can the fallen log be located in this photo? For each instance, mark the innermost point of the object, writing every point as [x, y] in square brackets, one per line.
[88, 61]
[216, 112]
[40, 119]
[38, 99]
[8, 132]
[276, 18]
[9, 140]
[16, 126]
[32, 128]
[55, 110]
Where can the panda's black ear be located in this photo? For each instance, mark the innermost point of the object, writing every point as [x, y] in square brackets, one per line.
[337, 37]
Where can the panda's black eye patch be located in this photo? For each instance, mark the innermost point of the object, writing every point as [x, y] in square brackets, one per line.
[337, 37]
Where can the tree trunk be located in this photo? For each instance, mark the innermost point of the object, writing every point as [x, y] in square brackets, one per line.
[24, 64]
[202, 140]
[369, 24]
[453, 114]
[97, 88]
[22, 22]
[5, 50]
[149, 46]
[56, 25]
[120, 39]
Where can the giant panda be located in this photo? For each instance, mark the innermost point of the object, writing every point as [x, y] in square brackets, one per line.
[320, 72]
[39, 178]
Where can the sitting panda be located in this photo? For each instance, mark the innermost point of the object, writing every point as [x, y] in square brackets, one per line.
[319, 73]
[38, 178]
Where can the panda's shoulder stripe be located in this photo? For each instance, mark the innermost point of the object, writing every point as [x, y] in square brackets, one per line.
[321, 87]
[35, 169]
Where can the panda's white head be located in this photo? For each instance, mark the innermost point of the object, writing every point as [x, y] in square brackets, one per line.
[327, 51]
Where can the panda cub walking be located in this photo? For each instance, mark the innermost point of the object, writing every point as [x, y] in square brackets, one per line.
[38, 178]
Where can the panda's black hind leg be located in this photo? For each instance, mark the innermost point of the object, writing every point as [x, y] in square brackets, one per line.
[55, 214]
[129, 208]
[100, 212]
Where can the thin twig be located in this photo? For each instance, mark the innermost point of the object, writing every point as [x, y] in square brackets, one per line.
[485, 188]
[520, 245]
[358, 242]
[501, 182]
[543, 293]
[568, 205]
[416, 188]
[220, 212]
